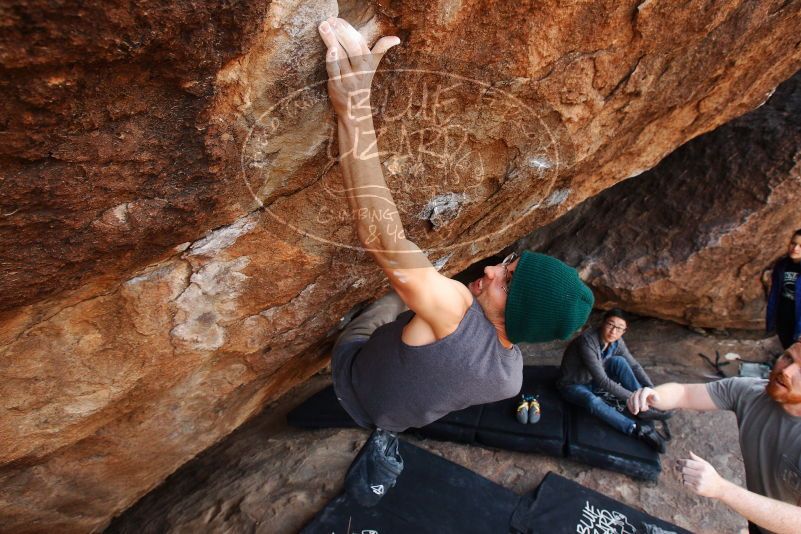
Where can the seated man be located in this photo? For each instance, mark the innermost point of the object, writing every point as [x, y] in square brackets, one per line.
[769, 418]
[457, 345]
[598, 361]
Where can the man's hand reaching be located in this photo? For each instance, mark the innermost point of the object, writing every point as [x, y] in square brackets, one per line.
[351, 66]
[701, 477]
[641, 400]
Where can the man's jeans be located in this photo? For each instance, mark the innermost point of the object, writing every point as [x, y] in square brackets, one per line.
[586, 395]
[785, 331]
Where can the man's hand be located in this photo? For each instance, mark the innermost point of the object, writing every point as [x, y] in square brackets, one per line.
[351, 66]
[641, 400]
[701, 477]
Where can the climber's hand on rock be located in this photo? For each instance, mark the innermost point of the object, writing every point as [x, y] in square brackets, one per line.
[351, 66]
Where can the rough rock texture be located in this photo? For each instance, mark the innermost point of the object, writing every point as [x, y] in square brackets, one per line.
[268, 478]
[174, 253]
[689, 239]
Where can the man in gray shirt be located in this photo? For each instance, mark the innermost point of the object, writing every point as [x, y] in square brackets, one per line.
[598, 361]
[457, 344]
[769, 418]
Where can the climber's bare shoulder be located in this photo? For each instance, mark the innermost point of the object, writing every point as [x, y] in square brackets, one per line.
[444, 303]
[439, 302]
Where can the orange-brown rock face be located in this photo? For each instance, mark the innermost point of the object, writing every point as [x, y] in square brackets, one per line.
[689, 239]
[174, 251]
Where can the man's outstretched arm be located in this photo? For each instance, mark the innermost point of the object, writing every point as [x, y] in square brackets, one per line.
[769, 514]
[351, 66]
[671, 396]
[701, 477]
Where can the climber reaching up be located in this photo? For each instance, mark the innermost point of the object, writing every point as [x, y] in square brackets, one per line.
[432, 345]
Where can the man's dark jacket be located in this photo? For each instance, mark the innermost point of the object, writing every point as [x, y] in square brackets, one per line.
[583, 364]
[777, 280]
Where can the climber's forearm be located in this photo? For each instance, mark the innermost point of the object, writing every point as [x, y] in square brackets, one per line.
[770, 514]
[375, 215]
[350, 65]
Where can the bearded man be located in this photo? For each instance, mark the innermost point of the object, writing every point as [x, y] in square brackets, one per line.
[769, 418]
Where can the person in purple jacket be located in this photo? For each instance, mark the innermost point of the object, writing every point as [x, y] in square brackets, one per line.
[784, 299]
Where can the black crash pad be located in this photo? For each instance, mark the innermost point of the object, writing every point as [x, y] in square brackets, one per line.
[492, 425]
[460, 426]
[592, 442]
[498, 427]
[432, 495]
[564, 430]
[561, 506]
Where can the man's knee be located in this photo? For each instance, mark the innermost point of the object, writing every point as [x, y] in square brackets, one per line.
[576, 395]
[618, 361]
[618, 364]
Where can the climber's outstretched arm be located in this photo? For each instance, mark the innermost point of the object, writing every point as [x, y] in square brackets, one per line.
[440, 301]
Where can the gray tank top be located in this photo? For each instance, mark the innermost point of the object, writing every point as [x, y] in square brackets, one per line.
[401, 386]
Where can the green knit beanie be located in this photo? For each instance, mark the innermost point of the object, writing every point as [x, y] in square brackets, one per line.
[547, 300]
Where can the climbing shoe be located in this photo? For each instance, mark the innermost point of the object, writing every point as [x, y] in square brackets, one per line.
[534, 411]
[522, 410]
[375, 470]
[528, 409]
[650, 436]
[652, 414]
